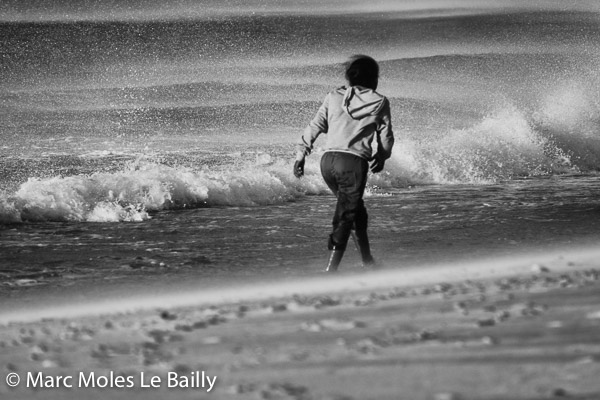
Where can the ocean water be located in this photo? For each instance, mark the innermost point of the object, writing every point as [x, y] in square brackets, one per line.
[183, 119]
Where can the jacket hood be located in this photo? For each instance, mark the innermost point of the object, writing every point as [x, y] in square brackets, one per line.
[360, 102]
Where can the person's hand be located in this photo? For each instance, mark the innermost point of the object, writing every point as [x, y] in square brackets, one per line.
[299, 168]
[377, 164]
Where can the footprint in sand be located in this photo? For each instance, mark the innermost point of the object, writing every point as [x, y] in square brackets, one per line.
[332, 325]
[369, 345]
[164, 336]
[284, 391]
[446, 396]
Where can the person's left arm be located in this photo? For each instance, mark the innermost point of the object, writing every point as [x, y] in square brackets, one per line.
[385, 139]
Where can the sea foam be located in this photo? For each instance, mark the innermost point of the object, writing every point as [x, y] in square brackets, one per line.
[510, 142]
[131, 194]
[503, 145]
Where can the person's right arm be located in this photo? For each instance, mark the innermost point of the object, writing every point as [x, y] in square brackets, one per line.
[316, 126]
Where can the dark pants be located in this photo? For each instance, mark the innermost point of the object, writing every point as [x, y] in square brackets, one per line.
[346, 176]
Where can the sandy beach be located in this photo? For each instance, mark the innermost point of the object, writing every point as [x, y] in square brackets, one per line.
[521, 327]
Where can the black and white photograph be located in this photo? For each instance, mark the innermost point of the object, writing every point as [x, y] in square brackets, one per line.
[300, 200]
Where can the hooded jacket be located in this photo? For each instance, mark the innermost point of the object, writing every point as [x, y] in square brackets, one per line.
[352, 118]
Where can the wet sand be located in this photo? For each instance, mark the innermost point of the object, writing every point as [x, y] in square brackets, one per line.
[521, 327]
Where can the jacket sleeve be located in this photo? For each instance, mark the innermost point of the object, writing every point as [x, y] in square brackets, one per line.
[385, 135]
[317, 126]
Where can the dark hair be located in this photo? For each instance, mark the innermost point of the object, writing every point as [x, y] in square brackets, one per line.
[362, 70]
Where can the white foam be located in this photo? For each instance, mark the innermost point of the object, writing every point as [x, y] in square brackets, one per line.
[501, 146]
[130, 194]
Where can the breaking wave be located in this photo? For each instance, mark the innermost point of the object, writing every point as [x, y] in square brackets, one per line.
[560, 136]
[502, 146]
[130, 195]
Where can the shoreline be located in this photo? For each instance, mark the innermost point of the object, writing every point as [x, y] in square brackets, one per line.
[135, 298]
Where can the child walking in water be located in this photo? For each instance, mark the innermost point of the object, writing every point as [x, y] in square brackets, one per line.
[353, 118]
